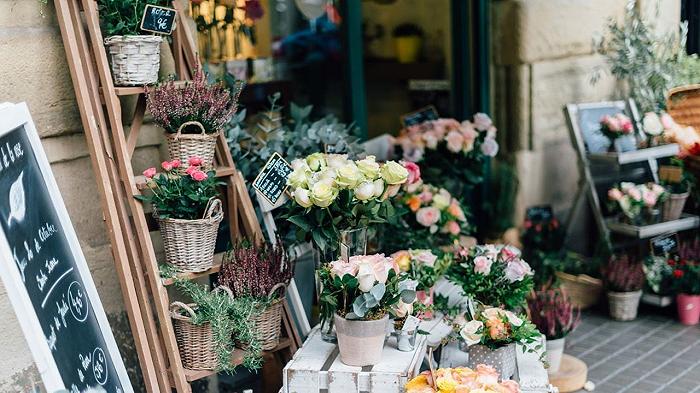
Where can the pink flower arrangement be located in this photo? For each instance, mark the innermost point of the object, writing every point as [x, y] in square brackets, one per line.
[435, 209]
[368, 269]
[616, 126]
[631, 199]
[461, 380]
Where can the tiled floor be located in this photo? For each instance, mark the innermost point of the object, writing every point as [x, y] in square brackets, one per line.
[654, 353]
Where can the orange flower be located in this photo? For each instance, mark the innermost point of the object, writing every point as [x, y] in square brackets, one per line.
[414, 203]
[497, 329]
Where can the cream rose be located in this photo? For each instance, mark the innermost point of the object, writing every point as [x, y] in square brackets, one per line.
[336, 160]
[369, 167]
[364, 191]
[323, 194]
[301, 196]
[378, 187]
[470, 332]
[394, 173]
[299, 178]
[316, 161]
[349, 176]
[441, 201]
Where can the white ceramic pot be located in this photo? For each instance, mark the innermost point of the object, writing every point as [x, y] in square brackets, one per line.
[555, 350]
[360, 342]
[624, 305]
[502, 359]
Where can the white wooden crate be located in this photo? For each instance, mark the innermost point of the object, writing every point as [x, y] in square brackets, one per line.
[316, 366]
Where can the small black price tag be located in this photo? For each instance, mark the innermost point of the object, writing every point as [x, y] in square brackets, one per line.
[159, 20]
[420, 116]
[271, 182]
[539, 213]
[664, 245]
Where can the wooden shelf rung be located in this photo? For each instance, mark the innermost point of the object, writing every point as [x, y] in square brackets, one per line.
[129, 90]
[191, 276]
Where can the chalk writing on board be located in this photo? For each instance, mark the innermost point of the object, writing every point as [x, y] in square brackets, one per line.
[160, 20]
[420, 116]
[271, 182]
[664, 245]
[539, 213]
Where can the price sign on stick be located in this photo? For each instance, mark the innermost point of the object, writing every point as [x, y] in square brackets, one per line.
[420, 116]
[664, 245]
[271, 182]
[159, 20]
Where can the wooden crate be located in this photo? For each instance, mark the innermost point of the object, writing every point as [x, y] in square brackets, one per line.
[317, 365]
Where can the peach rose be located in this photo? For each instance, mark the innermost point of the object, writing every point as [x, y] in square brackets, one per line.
[455, 140]
[428, 216]
[486, 375]
[414, 203]
[456, 210]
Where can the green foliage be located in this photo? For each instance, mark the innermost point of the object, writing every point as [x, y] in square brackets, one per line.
[499, 208]
[123, 17]
[229, 318]
[441, 304]
[686, 276]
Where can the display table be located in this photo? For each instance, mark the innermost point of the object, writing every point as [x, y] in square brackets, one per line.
[316, 365]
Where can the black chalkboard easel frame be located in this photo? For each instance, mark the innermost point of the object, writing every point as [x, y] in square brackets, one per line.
[14, 119]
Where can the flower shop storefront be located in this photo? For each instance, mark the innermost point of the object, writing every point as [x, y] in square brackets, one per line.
[280, 239]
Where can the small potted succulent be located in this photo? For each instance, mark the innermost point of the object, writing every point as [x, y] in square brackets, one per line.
[686, 284]
[359, 294]
[614, 127]
[188, 212]
[408, 39]
[193, 115]
[638, 204]
[555, 317]
[624, 279]
[134, 55]
[261, 272]
[491, 335]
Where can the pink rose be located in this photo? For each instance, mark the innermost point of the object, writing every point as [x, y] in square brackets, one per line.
[413, 172]
[149, 173]
[191, 169]
[614, 194]
[455, 140]
[489, 147]
[430, 139]
[486, 375]
[428, 216]
[468, 131]
[175, 163]
[167, 166]
[340, 268]
[650, 198]
[482, 265]
[452, 228]
[507, 254]
[667, 121]
[634, 194]
[511, 386]
[482, 121]
[199, 175]
[426, 257]
[426, 196]
[516, 270]
[194, 161]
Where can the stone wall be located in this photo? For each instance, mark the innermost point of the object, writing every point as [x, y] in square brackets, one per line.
[543, 59]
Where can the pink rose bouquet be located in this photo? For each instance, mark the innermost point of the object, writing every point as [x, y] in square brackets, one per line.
[632, 200]
[484, 379]
[180, 194]
[454, 153]
[493, 275]
[615, 126]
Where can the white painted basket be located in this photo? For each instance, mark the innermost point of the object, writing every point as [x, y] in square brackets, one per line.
[135, 59]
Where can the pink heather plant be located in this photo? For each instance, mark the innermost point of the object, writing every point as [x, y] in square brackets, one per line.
[211, 105]
[623, 274]
[553, 314]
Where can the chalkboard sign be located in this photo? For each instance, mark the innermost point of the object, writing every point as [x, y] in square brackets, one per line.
[540, 213]
[44, 270]
[420, 116]
[271, 182]
[664, 245]
[589, 116]
[159, 20]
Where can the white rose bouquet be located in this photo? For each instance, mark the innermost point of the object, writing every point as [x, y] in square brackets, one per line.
[331, 193]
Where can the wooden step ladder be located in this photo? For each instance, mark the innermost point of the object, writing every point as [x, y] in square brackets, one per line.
[111, 149]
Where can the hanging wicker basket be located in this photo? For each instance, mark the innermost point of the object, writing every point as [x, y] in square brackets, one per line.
[673, 207]
[268, 324]
[135, 59]
[195, 342]
[583, 290]
[183, 146]
[189, 244]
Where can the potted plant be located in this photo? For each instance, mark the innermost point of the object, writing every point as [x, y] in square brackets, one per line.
[555, 317]
[408, 40]
[259, 271]
[483, 378]
[614, 127]
[492, 275]
[686, 283]
[624, 279]
[193, 115]
[543, 247]
[205, 328]
[361, 293]
[335, 199]
[188, 212]
[425, 268]
[638, 204]
[135, 58]
[678, 194]
[491, 336]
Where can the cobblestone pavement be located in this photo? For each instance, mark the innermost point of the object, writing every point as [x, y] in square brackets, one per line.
[654, 353]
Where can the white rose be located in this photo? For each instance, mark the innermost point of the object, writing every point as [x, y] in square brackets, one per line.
[514, 319]
[349, 176]
[336, 160]
[302, 197]
[378, 187]
[365, 276]
[369, 167]
[652, 124]
[299, 178]
[470, 332]
[364, 191]
[441, 201]
[299, 163]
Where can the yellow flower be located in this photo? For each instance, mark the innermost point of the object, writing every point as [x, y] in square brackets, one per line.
[446, 385]
[394, 173]
[323, 194]
[369, 167]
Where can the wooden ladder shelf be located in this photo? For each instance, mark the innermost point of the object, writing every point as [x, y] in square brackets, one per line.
[111, 149]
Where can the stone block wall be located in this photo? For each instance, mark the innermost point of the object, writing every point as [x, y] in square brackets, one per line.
[543, 59]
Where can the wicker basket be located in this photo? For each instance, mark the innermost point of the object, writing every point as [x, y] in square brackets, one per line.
[624, 305]
[683, 104]
[189, 244]
[195, 342]
[268, 324]
[135, 59]
[673, 207]
[583, 290]
[183, 146]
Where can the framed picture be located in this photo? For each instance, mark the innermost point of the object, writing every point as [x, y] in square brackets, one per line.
[584, 124]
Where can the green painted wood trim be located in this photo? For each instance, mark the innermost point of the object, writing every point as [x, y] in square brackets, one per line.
[355, 93]
[461, 59]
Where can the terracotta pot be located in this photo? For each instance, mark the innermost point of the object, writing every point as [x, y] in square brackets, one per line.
[555, 351]
[360, 342]
[688, 308]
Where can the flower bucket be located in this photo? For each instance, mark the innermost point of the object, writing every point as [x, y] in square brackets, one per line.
[189, 244]
[555, 351]
[361, 343]
[268, 324]
[135, 59]
[624, 305]
[673, 207]
[195, 342]
[688, 308]
[183, 146]
[502, 359]
[426, 298]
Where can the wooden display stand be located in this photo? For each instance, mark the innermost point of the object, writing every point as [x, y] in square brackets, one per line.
[145, 293]
[572, 375]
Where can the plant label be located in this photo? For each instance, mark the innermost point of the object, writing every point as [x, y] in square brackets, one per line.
[541, 213]
[159, 20]
[664, 245]
[271, 182]
[670, 173]
[420, 116]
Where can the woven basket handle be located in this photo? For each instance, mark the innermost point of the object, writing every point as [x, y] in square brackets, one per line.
[278, 286]
[225, 289]
[214, 209]
[189, 123]
[432, 368]
[174, 306]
